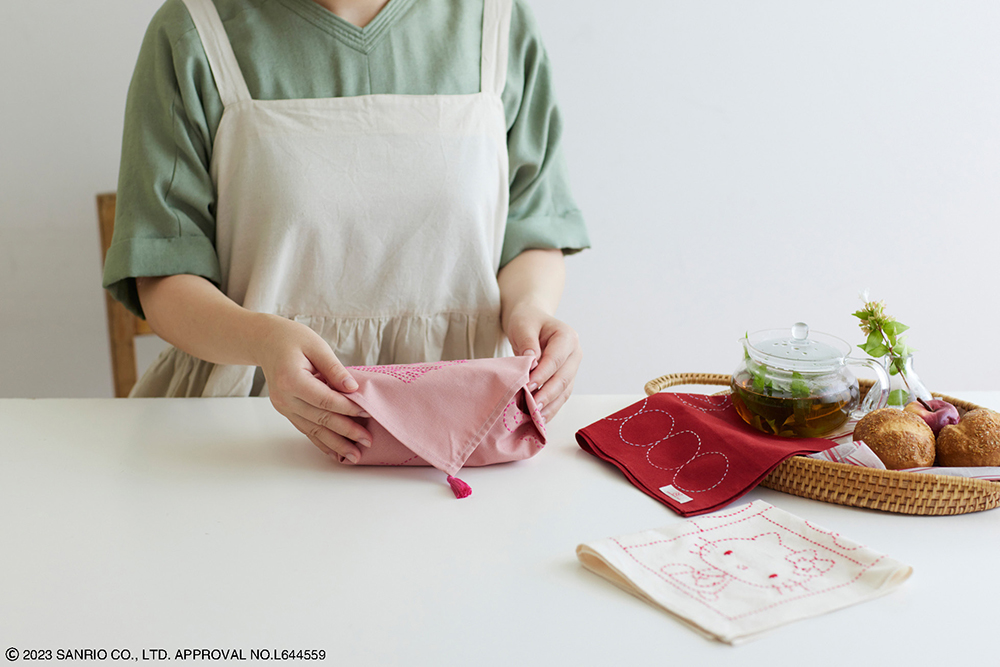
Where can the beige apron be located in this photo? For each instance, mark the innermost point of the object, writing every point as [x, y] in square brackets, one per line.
[376, 220]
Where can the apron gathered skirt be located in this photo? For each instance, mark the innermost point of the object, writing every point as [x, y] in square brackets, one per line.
[375, 220]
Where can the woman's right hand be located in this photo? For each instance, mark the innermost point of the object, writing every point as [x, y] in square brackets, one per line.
[307, 383]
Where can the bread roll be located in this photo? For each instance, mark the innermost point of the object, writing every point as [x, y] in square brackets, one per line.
[974, 441]
[901, 439]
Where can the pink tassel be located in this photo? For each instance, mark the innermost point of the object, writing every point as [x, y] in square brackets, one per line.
[461, 489]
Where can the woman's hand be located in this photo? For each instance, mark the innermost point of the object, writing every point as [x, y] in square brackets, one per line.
[306, 383]
[530, 287]
[534, 332]
[303, 375]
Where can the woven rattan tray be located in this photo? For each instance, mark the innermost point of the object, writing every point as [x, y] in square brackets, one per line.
[886, 490]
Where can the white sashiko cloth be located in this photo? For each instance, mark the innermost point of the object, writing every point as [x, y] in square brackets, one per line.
[855, 453]
[736, 574]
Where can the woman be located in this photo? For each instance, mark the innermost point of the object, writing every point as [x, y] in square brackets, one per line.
[309, 184]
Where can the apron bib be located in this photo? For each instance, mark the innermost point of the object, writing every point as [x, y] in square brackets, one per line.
[376, 220]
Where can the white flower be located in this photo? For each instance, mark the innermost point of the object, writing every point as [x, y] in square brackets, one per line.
[864, 295]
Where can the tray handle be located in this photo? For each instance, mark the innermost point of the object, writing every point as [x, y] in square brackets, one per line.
[674, 379]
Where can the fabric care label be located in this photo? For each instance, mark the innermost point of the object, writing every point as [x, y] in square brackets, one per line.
[672, 493]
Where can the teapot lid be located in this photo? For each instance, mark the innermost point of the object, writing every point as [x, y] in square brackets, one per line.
[797, 351]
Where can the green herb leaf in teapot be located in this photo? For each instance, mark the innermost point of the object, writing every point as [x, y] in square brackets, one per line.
[793, 382]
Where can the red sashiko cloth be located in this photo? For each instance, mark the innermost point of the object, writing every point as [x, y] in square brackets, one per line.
[448, 414]
[691, 452]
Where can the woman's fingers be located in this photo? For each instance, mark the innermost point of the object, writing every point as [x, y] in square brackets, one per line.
[549, 411]
[305, 380]
[551, 381]
[325, 439]
[339, 423]
[299, 379]
[558, 388]
[557, 351]
[524, 338]
[323, 415]
[326, 362]
[317, 393]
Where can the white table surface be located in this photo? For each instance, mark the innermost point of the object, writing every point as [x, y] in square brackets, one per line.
[194, 523]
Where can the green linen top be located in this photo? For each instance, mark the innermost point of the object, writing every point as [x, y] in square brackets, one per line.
[289, 49]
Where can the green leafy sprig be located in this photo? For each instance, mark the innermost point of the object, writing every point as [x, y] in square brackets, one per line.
[884, 338]
[768, 384]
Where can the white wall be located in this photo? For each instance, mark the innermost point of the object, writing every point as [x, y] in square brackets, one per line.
[742, 166]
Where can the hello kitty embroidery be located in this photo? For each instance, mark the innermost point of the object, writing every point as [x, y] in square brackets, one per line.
[762, 561]
[737, 574]
[749, 561]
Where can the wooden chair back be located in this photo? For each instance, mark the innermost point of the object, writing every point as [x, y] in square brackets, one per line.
[123, 326]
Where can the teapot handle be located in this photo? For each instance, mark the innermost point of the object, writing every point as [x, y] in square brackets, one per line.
[878, 396]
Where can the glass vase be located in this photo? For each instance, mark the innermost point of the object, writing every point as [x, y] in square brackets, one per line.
[904, 386]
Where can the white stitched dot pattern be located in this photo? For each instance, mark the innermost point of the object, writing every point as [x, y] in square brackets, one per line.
[693, 463]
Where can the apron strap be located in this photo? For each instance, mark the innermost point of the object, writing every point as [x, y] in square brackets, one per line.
[226, 71]
[496, 40]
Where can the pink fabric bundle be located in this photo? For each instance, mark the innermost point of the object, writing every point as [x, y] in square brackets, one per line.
[448, 414]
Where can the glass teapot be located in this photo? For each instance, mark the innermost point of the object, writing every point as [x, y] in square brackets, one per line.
[799, 385]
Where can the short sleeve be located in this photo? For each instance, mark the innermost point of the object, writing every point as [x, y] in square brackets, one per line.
[542, 211]
[164, 217]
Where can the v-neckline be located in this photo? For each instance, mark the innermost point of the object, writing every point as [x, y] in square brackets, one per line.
[361, 39]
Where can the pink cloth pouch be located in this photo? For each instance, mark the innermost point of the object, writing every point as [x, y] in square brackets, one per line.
[448, 414]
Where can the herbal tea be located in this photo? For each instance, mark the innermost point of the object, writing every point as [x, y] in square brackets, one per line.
[775, 411]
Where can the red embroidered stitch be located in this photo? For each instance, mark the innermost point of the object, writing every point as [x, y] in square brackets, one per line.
[514, 414]
[704, 586]
[408, 372]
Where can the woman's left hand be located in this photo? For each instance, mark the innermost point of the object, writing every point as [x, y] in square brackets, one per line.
[532, 331]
